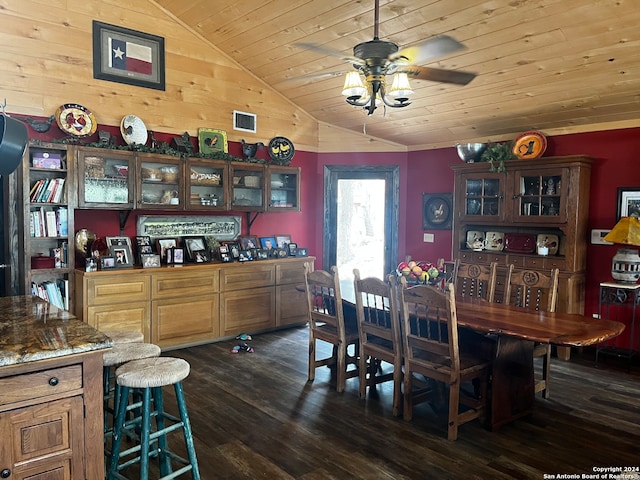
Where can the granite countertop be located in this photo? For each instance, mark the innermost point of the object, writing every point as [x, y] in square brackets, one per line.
[32, 329]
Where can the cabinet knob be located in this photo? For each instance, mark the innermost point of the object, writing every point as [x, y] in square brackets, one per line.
[53, 381]
[6, 473]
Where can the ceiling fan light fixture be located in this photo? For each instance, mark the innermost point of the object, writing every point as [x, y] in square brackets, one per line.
[353, 86]
[400, 86]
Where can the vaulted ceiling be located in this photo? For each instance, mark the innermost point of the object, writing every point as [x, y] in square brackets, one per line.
[558, 66]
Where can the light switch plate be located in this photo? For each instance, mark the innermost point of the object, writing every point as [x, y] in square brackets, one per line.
[428, 237]
[597, 237]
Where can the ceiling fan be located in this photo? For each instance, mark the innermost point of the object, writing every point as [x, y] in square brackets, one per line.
[375, 59]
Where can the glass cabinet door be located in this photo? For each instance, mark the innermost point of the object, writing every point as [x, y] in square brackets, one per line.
[541, 196]
[247, 187]
[105, 178]
[482, 195]
[160, 182]
[207, 182]
[283, 186]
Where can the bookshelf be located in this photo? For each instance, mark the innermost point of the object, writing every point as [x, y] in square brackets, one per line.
[47, 190]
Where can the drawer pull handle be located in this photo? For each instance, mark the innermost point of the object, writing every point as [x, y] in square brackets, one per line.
[6, 473]
[53, 381]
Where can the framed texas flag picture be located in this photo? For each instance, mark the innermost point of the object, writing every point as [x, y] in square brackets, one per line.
[128, 56]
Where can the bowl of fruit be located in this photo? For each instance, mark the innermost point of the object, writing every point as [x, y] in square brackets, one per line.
[420, 272]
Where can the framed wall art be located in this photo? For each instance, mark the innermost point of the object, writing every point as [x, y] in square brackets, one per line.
[628, 202]
[437, 211]
[211, 140]
[128, 56]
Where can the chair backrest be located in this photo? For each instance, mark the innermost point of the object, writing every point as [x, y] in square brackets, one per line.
[476, 281]
[430, 328]
[377, 312]
[533, 290]
[324, 299]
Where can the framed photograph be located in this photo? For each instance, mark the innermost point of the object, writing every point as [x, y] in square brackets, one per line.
[628, 202]
[175, 255]
[226, 257]
[150, 260]
[128, 56]
[211, 140]
[91, 264]
[437, 211]
[249, 242]
[143, 243]
[244, 256]
[194, 244]
[223, 248]
[200, 256]
[119, 241]
[302, 252]
[268, 243]
[122, 254]
[283, 240]
[261, 254]
[234, 250]
[107, 262]
[293, 249]
[162, 244]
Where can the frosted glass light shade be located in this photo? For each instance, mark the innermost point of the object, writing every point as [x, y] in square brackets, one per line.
[353, 86]
[400, 86]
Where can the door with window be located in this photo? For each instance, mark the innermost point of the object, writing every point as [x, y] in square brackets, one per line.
[361, 219]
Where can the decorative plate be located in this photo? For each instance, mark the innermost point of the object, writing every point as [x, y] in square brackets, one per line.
[475, 240]
[211, 140]
[133, 130]
[530, 145]
[281, 149]
[519, 243]
[76, 120]
[549, 241]
[494, 241]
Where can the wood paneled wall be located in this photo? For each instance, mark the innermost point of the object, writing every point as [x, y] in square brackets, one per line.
[46, 60]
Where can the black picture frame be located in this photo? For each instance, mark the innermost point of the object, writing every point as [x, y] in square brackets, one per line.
[302, 252]
[143, 244]
[628, 202]
[245, 256]
[293, 249]
[437, 211]
[107, 262]
[248, 242]
[200, 256]
[163, 244]
[122, 254]
[143, 67]
[150, 260]
[268, 243]
[194, 244]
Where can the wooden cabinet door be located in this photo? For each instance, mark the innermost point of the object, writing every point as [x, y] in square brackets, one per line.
[44, 442]
[187, 319]
[133, 316]
[291, 305]
[481, 196]
[539, 195]
[245, 311]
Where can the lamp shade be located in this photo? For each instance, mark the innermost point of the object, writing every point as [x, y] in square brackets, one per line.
[625, 266]
[353, 86]
[400, 86]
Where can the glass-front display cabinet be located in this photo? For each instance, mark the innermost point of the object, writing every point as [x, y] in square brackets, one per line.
[207, 182]
[105, 178]
[160, 182]
[247, 187]
[542, 195]
[482, 195]
[283, 187]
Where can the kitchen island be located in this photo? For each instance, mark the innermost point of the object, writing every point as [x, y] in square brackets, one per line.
[50, 392]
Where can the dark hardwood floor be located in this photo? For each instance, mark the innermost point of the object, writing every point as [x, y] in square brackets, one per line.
[255, 416]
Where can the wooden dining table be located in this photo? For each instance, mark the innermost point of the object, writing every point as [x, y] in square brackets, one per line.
[510, 333]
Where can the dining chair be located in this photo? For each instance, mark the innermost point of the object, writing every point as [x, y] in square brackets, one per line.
[327, 323]
[430, 336]
[475, 280]
[534, 290]
[379, 330]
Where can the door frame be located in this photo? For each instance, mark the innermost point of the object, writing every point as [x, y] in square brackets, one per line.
[391, 175]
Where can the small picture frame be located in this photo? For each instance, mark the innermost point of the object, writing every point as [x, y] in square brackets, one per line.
[226, 257]
[200, 256]
[268, 243]
[150, 260]
[162, 244]
[107, 262]
[302, 252]
[119, 241]
[628, 202]
[293, 248]
[261, 254]
[194, 244]
[281, 252]
[234, 250]
[122, 254]
[91, 264]
[283, 240]
[249, 242]
[143, 243]
[175, 256]
[244, 256]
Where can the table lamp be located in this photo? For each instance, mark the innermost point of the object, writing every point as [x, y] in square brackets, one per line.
[625, 266]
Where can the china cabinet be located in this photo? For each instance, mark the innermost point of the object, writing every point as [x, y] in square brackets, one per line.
[105, 178]
[283, 188]
[534, 201]
[46, 184]
[247, 187]
[207, 185]
[160, 180]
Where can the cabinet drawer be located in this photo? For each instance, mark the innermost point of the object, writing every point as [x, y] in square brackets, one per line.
[290, 273]
[535, 263]
[183, 284]
[55, 381]
[555, 262]
[247, 277]
[118, 289]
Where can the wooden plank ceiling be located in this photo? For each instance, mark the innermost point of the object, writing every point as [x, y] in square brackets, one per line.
[558, 66]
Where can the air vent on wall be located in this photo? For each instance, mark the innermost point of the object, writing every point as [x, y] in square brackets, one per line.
[245, 122]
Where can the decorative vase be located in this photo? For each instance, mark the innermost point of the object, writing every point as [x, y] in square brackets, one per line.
[625, 266]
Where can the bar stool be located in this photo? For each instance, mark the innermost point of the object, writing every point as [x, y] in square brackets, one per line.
[147, 377]
[124, 336]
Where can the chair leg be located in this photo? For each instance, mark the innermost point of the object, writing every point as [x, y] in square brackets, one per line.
[546, 373]
[312, 359]
[188, 436]
[397, 388]
[454, 405]
[118, 431]
[362, 374]
[341, 368]
[408, 397]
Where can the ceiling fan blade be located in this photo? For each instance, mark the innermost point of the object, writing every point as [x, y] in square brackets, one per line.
[329, 51]
[434, 47]
[438, 75]
[314, 76]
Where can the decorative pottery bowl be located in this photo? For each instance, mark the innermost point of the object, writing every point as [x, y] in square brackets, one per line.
[470, 152]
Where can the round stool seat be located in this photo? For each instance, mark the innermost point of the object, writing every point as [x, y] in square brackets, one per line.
[125, 352]
[152, 372]
[124, 336]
